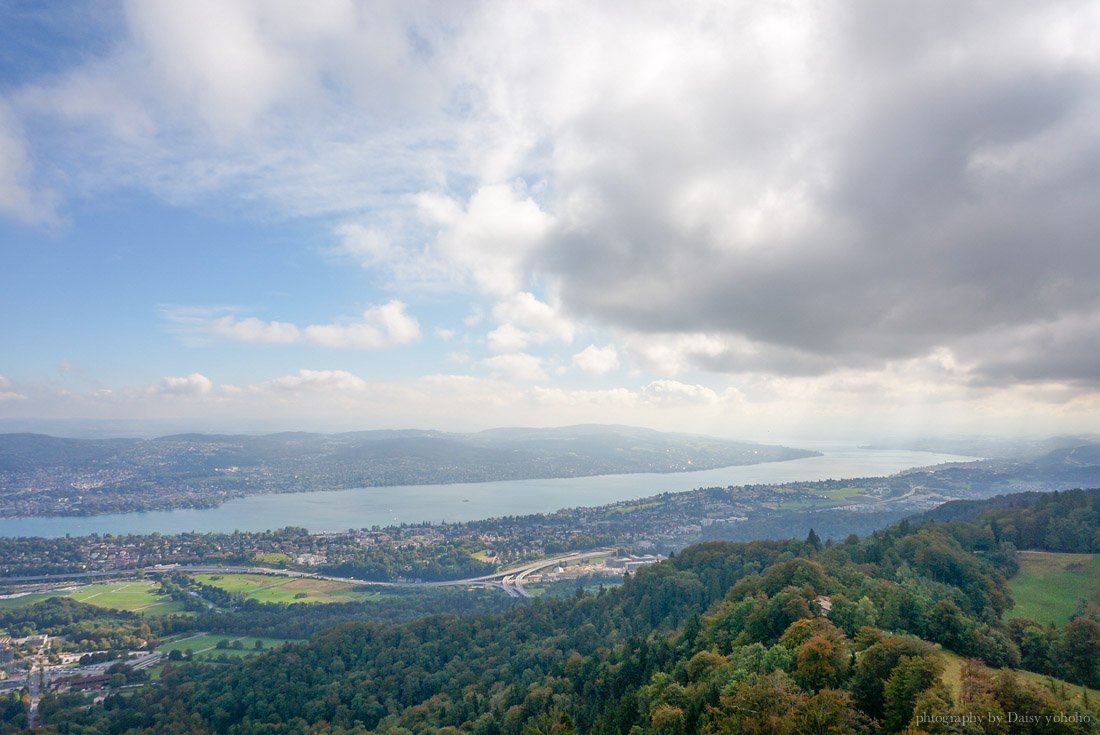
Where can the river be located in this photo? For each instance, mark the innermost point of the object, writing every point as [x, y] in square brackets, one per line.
[339, 510]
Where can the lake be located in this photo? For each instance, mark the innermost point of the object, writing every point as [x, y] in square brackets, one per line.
[339, 510]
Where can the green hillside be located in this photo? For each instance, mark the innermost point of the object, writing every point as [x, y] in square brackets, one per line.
[1051, 587]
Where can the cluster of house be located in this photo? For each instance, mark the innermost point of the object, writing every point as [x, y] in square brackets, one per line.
[16, 671]
[13, 670]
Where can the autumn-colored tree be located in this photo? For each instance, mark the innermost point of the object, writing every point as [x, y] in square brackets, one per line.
[821, 663]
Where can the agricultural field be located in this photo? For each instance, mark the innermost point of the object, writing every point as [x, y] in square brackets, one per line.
[288, 590]
[140, 596]
[1049, 586]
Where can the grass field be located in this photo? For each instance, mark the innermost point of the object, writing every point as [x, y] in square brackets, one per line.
[1049, 586]
[797, 501]
[134, 596]
[952, 677]
[27, 600]
[204, 646]
[271, 588]
[636, 506]
[274, 557]
[842, 493]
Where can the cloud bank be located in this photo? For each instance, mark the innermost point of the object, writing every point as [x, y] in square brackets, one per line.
[822, 199]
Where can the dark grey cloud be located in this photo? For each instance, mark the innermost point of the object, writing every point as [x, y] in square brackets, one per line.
[899, 179]
[1066, 349]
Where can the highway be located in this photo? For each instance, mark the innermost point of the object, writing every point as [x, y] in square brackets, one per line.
[509, 580]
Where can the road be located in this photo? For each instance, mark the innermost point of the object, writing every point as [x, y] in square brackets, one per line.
[510, 580]
[34, 689]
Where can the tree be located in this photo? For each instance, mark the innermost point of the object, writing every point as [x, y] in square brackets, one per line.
[947, 625]
[1077, 653]
[820, 664]
[667, 720]
[829, 711]
[1035, 646]
[763, 706]
[554, 722]
[875, 666]
[912, 676]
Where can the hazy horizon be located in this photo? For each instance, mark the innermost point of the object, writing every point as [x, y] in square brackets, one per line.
[136, 429]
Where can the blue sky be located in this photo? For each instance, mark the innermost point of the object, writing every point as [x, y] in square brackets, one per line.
[748, 219]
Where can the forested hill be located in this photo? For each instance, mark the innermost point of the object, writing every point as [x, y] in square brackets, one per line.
[1059, 469]
[43, 475]
[1066, 521]
[775, 637]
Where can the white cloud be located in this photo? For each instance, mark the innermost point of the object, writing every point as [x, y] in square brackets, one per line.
[370, 246]
[195, 384]
[19, 199]
[251, 329]
[213, 55]
[518, 367]
[378, 326]
[323, 112]
[597, 360]
[507, 338]
[524, 321]
[474, 317]
[540, 320]
[9, 395]
[338, 381]
[491, 238]
[672, 391]
[672, 354]
[614, 398]
[847, 403]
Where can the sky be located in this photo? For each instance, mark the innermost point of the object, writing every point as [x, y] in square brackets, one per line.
[750, 219]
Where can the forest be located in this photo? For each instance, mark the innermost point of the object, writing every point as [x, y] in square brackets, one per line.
[796, 636]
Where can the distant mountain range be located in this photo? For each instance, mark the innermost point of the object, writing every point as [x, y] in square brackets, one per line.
[46, 475]
[990, 447]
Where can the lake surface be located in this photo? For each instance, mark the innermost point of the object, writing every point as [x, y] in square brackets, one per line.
[339, 510]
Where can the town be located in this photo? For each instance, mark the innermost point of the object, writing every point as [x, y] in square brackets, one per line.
[453, 550]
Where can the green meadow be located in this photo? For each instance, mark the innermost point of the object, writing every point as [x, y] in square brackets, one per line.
[204, 646]
[288, 590]
[1049, 586]
[134, 596]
